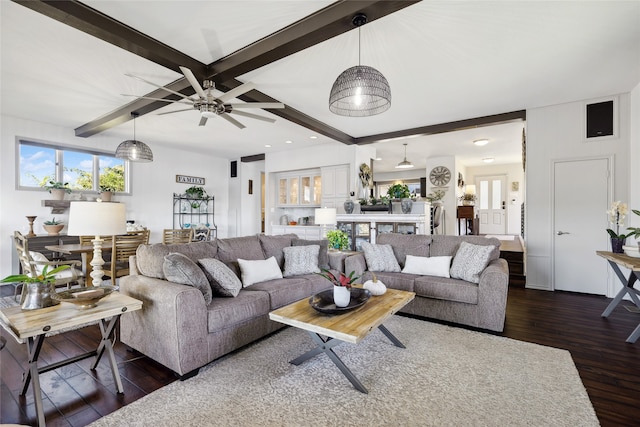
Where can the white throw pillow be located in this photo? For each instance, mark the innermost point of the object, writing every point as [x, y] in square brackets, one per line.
[470, 261]
[301, 260]
[256, 271]
[428, 266]
[69, 273]
[380, 257]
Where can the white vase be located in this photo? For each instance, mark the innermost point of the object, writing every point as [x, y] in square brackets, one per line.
[341, 296]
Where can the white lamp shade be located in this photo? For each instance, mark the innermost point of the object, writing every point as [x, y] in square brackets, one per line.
[470, 189]
[325, 216]
[97, 219]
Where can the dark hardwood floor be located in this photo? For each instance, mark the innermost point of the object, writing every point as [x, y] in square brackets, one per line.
[609, 367]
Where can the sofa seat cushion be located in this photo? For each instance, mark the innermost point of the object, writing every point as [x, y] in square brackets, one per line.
[223, 313]
[400, 281]
[446, 289]
[292, 289]
[150, 258]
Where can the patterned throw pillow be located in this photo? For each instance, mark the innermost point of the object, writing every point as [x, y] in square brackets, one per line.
[428, 266]
[178, 268]
[470, 261]
[380, 257]
[223, 281]
[301, 260]
[256, 271]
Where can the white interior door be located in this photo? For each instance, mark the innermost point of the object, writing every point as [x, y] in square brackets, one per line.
[491, 192]
[580, 200]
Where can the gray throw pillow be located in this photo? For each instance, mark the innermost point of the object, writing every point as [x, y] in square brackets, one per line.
[301, 260]
[470, 261]
[178, 268]
[323, 255]
[223, 281]
[380, 257]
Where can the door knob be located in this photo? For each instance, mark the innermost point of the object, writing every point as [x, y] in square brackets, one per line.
[560, 233]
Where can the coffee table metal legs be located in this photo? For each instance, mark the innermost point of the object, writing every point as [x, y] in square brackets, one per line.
[326, 346]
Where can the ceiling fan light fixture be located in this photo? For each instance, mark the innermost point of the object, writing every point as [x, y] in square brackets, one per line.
[360, 91]
[134, 150]
[405, 164]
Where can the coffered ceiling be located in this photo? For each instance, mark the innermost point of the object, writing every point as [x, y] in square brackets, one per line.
[65, 63]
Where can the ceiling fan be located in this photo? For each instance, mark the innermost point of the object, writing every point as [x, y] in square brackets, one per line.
[211, 106]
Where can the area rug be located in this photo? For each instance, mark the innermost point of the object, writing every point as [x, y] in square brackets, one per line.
[445, 377]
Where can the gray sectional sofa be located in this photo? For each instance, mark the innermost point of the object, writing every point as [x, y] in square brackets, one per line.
[480, 305]
[179, 330]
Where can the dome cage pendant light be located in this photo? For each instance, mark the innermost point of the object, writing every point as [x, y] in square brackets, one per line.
[405, 164]
[360, 91]
[133, 150]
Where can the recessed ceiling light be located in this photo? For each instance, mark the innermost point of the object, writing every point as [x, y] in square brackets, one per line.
[488, 159]
[288, 142]
[267, 145]
[313, 137]
[481, 142]
[378, 159]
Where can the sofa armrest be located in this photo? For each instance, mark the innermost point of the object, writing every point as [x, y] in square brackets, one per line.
[355, 263]
[171, 328]
[492, 293]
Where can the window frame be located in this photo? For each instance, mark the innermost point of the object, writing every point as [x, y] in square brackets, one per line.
[59, 167]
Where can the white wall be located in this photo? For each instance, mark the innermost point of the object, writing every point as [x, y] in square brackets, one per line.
[556, 132]
[514, 173]
[153, 184]
[634, 159]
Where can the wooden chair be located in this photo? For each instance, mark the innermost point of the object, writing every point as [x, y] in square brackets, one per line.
[179, 235]
[123, 246]
[34, 262]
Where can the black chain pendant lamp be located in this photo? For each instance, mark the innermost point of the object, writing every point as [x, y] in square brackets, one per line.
[360, 91]
[133, 150]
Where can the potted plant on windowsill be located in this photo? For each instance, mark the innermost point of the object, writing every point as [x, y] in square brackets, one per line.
[106, 192]
[57, 189]
[53, 227]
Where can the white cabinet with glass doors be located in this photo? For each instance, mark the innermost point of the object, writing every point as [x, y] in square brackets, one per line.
[301, 188]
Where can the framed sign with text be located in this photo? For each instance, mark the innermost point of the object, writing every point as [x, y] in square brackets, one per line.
[184, 179]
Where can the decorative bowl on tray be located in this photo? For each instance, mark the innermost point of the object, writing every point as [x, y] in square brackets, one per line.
[85, 297]
[632, 251]
[323, 301]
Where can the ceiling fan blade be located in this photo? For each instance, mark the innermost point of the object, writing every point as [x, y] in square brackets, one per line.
[158, 86]
[236, 92]
[175, 111]
[266, 105]
[253, 116]
[180, 101]
[203, 121]
[232, 120]
[194, 82]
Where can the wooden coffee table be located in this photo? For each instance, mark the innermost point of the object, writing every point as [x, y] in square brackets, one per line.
[34, 325]
[351, 327]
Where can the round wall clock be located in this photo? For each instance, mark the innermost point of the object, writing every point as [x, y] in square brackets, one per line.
[440, 175]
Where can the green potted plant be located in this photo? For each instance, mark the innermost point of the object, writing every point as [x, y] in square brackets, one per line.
[53, 227]
[196, 193]
[57, 189]
[106, 192]
[617, 213]
[468, 199]
[435, 197]
[38, 290]
[338, 239]
[398, 191]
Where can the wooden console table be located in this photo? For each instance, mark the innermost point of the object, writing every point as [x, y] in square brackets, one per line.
[466, 214]
[633, 264]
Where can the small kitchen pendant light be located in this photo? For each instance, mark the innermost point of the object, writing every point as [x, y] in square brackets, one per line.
[133, 150]
[360, 91]
[404, 164]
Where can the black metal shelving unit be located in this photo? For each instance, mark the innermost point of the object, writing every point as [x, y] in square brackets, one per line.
[190, 212]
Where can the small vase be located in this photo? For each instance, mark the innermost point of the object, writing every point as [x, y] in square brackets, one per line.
[616, 245]
[406, 205]
[341, 296]
[37, 295]
[348, 206]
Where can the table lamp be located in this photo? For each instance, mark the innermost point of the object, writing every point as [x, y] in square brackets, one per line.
[97, 219]
[324, 217]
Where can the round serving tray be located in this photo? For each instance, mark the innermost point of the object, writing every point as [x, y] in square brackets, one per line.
[83, 302]
[323, 301]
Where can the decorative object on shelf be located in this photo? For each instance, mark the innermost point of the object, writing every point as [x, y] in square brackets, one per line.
[406, 205]
[366, 179]
[324, 302]
[31, 219]
[398, 191]
[338, 239]
[460, 181]
[360, 91]
[375, 286]
[134, 150]
[617, 214]
[405, 164]
[632, 251]
[53, 227]
[38, 289]
[469, 197]
[97, 219]
[85, 297]
[57, 189]
[325, 217]
[440, 175]
[341, 286]
[349, 206]
[435, 197]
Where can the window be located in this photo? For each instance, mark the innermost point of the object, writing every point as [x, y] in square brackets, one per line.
[83, 169]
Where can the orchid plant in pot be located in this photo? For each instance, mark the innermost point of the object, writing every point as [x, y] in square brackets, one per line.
[341, 286]
[617, 214]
